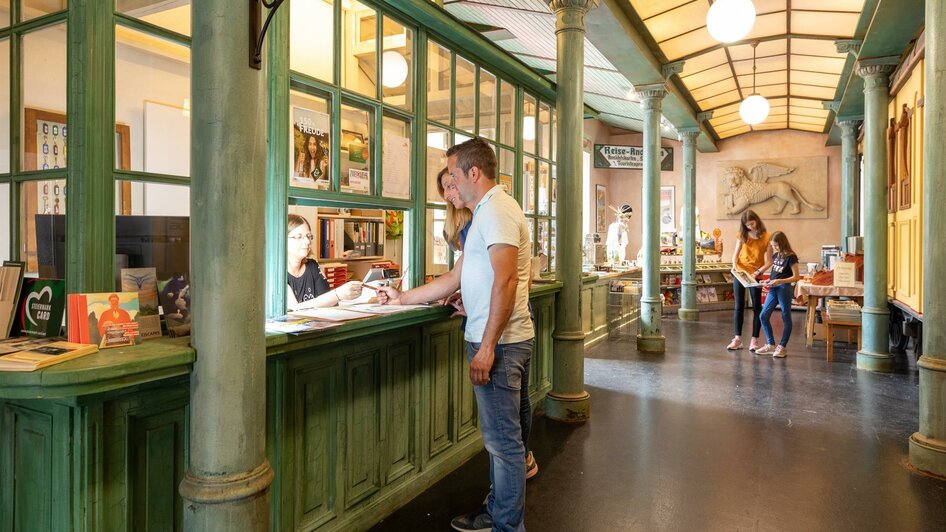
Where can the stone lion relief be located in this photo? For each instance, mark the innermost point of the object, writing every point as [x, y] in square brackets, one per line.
[775, 188]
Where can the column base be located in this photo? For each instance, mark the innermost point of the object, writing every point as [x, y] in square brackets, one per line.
[688, 314]
[651, 344]
[568, 408]
[927, 454]
[881, 362]
[219, 503]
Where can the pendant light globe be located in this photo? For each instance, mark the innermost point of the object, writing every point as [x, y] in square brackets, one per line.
[754, 109]
[394, 69]
[730, 20]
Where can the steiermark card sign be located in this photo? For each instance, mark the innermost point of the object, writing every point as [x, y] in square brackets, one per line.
[629, 157]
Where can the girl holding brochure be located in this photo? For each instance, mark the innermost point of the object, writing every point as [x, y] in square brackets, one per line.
[784, 274]
[752, 255]
[308, 288]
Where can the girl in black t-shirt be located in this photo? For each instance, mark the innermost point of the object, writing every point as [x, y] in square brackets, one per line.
[781, 281]
[308, 288]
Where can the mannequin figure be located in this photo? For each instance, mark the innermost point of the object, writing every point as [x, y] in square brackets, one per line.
[617, 235]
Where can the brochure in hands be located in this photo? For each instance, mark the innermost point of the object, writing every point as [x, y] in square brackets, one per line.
[745, 278]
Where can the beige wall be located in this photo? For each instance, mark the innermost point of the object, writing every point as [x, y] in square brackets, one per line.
[806, 236]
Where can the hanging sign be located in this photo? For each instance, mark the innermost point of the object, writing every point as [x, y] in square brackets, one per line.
[629, 157]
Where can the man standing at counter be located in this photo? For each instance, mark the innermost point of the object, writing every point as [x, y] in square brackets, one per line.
[494, 275]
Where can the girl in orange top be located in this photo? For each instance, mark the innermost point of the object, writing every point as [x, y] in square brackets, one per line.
[752, 254]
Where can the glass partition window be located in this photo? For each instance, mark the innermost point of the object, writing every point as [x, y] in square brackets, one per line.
[439, 78]
[152, 228]
[507, 170]
[544, 133]
[44, 131]
[438, 252]
[487, 105]
[397, 65]
[30, 9]
[438, 140]
[507, 113]
[529, 108]
[528, 186]
[5, 107]
[543, 188]
[465, 95]
[396, 158]
[310, 141]
[360, 48]
[551, 266]
[311, 38]
[174, 15]
[4, 221]
[42, 228]
[356, 138]
[4, 13]
[554, 130]
[152, 103]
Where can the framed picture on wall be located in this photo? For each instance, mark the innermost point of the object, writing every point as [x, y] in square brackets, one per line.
[601, 208]
[667, 222]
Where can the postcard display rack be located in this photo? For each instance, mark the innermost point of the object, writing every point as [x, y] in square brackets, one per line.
[713, 286]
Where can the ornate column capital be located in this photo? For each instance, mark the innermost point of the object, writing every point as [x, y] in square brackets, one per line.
[651, 95]
[848, 46]
[704, 116]
[849, 125]
[688, 134]
[672, 68]
[832, 105]
[583, 5]
[876, 70]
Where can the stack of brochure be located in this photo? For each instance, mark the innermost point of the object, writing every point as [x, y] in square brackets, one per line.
[843, 310]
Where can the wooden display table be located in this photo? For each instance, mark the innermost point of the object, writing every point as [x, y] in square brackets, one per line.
[816, 292]
[831, 325]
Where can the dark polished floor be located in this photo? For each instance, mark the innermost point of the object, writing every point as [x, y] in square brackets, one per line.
[703, 439]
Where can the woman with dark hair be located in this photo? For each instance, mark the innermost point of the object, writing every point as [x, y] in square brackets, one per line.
[308, 288]
[753, 255]
[784, 274]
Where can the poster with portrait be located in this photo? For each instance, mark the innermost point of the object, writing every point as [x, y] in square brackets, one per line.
[310, 149]
[667, 224]
[601, 208]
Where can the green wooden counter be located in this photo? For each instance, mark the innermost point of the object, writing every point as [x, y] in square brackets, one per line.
[595, 320]
[360, 419]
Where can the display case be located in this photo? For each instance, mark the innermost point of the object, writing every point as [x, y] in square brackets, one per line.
[714, 289]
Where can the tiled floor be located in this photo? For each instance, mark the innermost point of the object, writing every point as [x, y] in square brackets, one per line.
[704, 439]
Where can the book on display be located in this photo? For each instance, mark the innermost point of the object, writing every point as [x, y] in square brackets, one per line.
[46, 354]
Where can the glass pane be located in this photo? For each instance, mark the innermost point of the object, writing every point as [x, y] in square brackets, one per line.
[439, 101]
[528, 124]
[460, 138]
[4, 221]
[438, 253]
[507, 170]
[311, 141]
[42, 232]
[554, 129]
[152, 104]
[396, 158]
[528, 185]
[311, 38]
[487, 105]
[36, 8]
[466, 95]
[174, 15]
[4, 107]
[542, 243]
[507, 113]
[152, 228]
[531, 223]
[4, 13]
[552, 238]
[544, 188]
[544, 134]
[397, 65]
[438, 140]
[356, 150]
[360, 48]
[44, 99]
[553, 190]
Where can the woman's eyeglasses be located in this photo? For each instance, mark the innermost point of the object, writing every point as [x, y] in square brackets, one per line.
[308, 236]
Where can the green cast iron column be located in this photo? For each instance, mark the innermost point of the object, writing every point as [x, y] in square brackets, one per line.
[928, 444]
[276, 65]
[848, 178]
[90, 212]
[688, 310]
[875, 349]
[568, 400]
[226, 486]
[651, 338]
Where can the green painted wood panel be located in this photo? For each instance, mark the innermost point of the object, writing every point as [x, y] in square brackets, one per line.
[599, 307]
[362, 396]
[586, 323]
[467, 418]
[542, 357]
[398, 400]
[32, 443]
[441, 348]
[312, 433]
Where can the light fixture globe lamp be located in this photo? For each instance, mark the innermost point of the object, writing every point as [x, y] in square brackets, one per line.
[528, 127]
[393, 69]
[754, 109]
[730, 20]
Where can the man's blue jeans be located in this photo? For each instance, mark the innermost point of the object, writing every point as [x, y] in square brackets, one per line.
[781, 294]
[498, 403]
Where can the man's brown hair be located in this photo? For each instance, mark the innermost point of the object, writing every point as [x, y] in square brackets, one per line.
[475, 152]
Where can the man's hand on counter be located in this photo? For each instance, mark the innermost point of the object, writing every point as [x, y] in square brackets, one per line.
[388, 295]
[456, 301]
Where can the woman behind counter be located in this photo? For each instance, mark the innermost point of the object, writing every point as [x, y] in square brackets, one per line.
[308, 288]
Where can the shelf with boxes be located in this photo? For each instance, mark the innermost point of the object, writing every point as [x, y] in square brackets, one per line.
[713, 286]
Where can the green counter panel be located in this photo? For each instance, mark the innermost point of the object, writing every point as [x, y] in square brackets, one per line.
[358, 423]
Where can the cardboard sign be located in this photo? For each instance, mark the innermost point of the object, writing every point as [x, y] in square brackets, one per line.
[845, 274]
